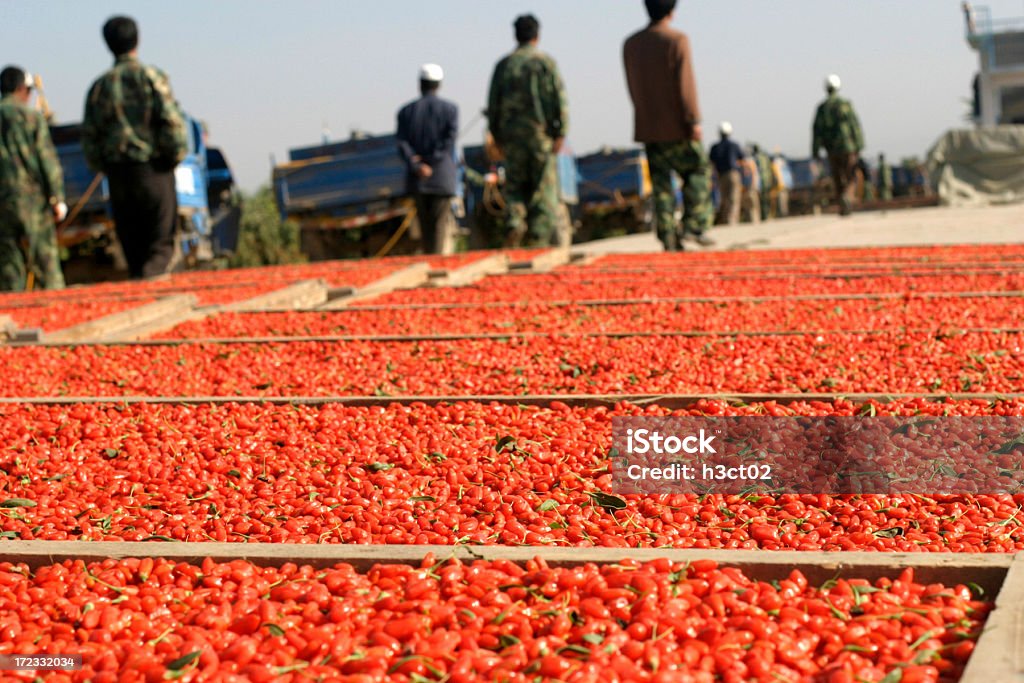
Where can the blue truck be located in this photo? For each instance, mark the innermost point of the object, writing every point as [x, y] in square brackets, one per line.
[809, 190]
[348, 198]
[208, 209]
[615, 193]
[340, 185]
[613, 177]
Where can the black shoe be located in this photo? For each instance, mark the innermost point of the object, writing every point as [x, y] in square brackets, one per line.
[700, 238]
[671, 243]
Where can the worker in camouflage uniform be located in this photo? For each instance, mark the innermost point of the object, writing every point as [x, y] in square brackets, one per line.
[767, 176]
[31, 190]
[528, 118]
[666, 119]
[884, 179]
[750, 205]
[135, 133]
[837, 130]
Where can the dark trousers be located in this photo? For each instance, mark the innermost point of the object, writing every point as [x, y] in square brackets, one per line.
[434, 214]
[145, 205]
[844, 168]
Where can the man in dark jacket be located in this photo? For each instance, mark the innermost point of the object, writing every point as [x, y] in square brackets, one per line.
[659, 73]
[427, 129]
[727, 156]
[134, 131]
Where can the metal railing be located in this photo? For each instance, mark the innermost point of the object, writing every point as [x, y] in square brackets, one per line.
[992, 37]
[980, 23]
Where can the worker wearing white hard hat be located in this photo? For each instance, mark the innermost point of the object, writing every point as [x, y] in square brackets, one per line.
[727, 159]
[431, 73]
[837, 131]
[427, 129]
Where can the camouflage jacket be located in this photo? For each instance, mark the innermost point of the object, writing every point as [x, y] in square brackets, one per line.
[527, 98]
[131, 116]
[764, 169]
[836, 128]
[28, 160]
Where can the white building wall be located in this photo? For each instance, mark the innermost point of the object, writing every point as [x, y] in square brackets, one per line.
[994, 76]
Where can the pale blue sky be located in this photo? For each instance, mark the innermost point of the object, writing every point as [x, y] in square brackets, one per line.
[266, 75]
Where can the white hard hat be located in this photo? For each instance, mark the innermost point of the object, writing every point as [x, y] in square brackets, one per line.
[431, 72]
[832, 82]
[725, 128]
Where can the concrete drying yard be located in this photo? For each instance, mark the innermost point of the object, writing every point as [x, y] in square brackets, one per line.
[935, 225]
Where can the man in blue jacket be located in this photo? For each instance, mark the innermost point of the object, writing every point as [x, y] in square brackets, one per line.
[727, 158]
[427, 130]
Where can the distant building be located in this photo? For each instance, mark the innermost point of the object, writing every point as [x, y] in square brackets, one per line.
[999, 87]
